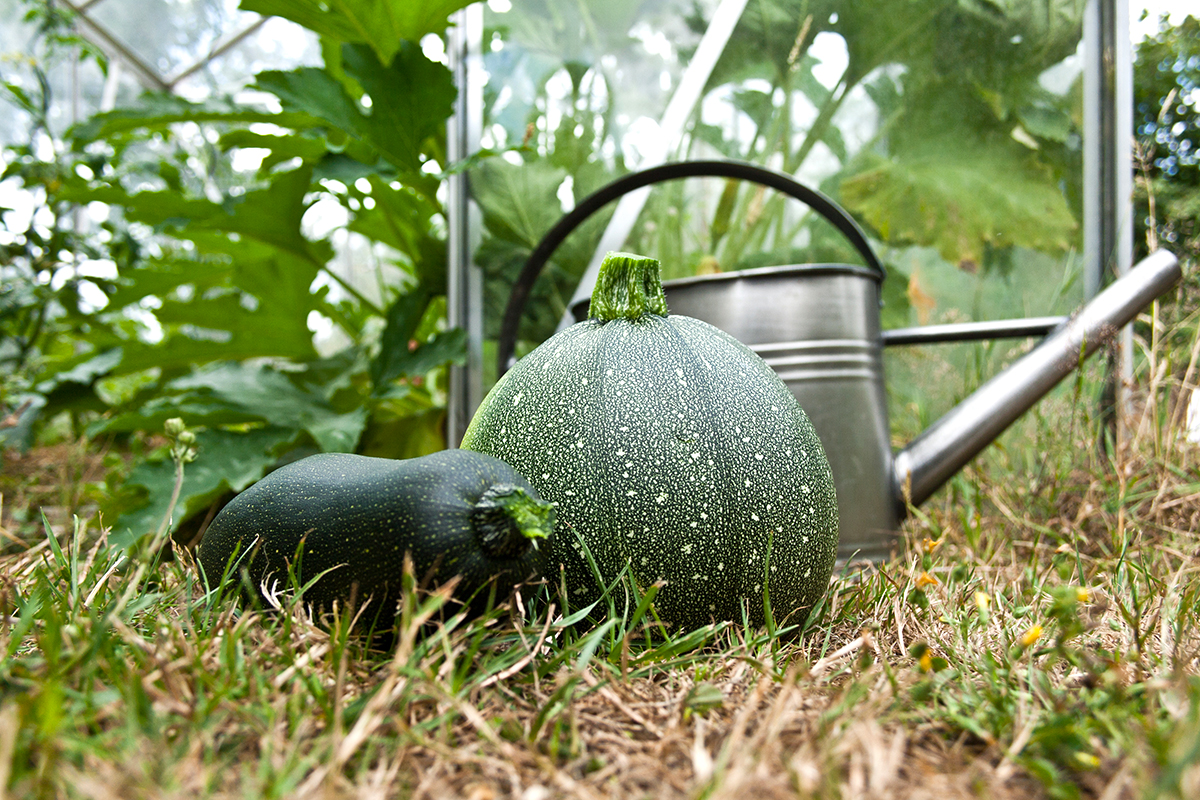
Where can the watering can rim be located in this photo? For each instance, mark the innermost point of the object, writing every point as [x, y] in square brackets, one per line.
[579, 309]
[780, 270]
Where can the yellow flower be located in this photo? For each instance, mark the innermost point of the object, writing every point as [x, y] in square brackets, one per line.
[926, 661]
[929, 545]
[1031, 636]
[925, 579]
[982, 600]
[1081, 594]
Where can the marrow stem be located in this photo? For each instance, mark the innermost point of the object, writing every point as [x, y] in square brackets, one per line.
[628, 287]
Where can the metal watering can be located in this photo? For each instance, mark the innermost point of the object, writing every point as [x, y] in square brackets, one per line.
[818, 326]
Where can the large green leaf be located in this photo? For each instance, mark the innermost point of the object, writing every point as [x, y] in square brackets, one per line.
[411, 99]
[404, 220]
[227, 461]
[156, 111]
[250, 277]
[406, 348]
[519, 202]
[382, 24]
[961, 199]
[231, 393]
[218, 329]
[270, 215]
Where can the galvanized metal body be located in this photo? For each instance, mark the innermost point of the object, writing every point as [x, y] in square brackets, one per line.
[817, 326]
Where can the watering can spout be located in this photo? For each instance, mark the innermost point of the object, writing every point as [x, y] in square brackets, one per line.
[947, 445]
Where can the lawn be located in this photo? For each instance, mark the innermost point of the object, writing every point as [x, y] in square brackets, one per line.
[1035, 635]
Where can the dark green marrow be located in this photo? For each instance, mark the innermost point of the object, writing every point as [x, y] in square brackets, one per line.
[354, 518]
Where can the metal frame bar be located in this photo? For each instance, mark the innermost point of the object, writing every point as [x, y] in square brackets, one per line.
[146, 74]
[1108, 168]
[464, 290]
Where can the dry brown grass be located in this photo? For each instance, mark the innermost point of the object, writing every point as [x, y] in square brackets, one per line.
[1036, 636]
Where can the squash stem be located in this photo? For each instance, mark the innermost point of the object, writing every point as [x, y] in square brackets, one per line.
[508, 521]
[628, 287]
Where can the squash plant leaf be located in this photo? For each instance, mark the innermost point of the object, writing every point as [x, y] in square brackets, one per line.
[961, 201]
[217, 328]
[231, 393]
[519, 203]
[401, 351]
[382, 24]
[315, 92]
[410, 100]
[235, 459]
[270, 215]
[157, 111]
[403, 219]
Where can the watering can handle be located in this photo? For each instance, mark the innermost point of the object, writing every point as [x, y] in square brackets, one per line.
[665, 172]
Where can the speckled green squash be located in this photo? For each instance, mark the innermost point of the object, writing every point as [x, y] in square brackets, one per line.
[456, 512]
[668, 445]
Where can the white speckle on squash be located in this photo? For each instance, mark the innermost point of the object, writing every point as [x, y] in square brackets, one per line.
[517, 398]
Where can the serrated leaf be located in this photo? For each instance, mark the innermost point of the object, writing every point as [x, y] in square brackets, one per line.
[270, 215]
[158, 277]
[519, 202]
[220, 328]
[411, 99]
[961, 198]
[157, 111]
[227, 461]
[269, 395]
[315, 92]
[401, 218]
[382, 24]
[304, 146]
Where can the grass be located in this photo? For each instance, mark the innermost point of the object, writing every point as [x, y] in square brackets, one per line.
[1036, 636]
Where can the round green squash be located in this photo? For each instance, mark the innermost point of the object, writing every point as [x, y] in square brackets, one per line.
[668, 445]
[354, 518]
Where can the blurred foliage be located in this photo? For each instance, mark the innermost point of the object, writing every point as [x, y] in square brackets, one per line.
[214, 278]
[1167, 121]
